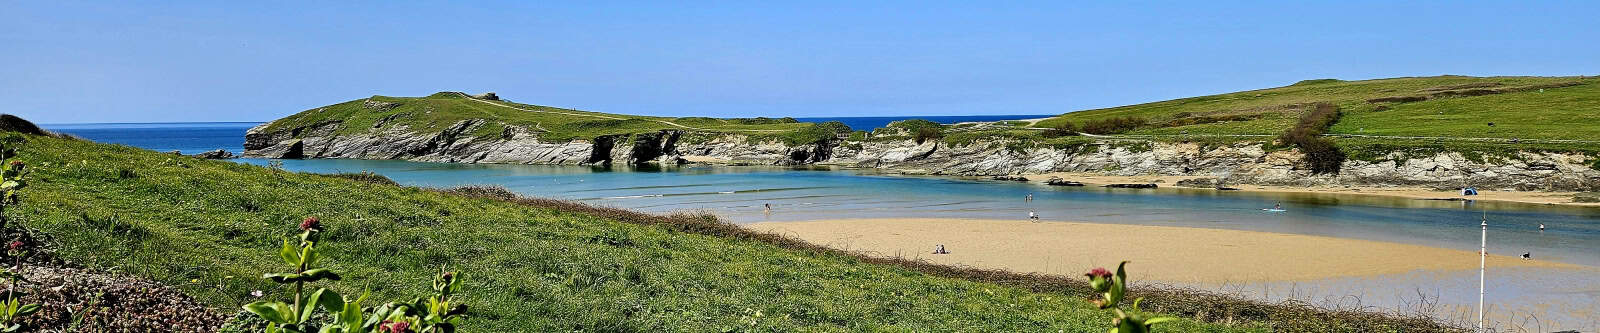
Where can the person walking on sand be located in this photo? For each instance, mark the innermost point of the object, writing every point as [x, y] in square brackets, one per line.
[1033, 216]
[1527, 256]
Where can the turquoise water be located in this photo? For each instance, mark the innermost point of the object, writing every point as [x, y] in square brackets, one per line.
[740, 193]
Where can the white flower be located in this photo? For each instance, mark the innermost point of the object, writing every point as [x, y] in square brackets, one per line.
[256, 294]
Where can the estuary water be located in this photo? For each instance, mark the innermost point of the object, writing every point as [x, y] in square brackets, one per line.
[1562, 298]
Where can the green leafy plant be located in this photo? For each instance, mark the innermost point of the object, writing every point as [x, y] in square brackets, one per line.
[438, 313]
[12, 180]
[12, 308]
[12, 176]
[283, 317]
[1112, 289]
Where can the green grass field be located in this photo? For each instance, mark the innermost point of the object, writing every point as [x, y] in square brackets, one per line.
[1456, 106]
[211, 227]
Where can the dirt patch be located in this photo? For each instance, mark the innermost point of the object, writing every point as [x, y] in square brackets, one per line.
[78, 300]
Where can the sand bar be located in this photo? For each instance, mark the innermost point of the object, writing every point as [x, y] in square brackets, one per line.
[1533, 197]
[1165, 254]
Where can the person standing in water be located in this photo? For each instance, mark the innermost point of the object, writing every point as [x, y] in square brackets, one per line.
[1541, 227]
[1029, 198]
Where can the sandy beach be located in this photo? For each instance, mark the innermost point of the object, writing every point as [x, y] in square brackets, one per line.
[1533, 197]
[1165, 254]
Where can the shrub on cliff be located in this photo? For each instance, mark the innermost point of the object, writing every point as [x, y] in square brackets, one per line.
[1065, 129]
[921, 130]
[1320, 153]
[1113, 125]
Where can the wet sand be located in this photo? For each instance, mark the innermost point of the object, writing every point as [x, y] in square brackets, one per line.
[1534, 197]
[1163, 254]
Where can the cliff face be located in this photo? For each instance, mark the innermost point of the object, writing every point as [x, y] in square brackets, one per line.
[1232, 164]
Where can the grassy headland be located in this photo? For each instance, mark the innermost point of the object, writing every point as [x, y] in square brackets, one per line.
[439, 111]
[211, 227]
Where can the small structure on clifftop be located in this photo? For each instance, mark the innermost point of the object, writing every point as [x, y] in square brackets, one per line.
[488, 96]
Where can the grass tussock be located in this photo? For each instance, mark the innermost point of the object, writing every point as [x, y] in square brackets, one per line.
[365, 177]
[1114, 125]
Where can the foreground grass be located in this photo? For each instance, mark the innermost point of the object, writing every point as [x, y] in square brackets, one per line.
[210, 227]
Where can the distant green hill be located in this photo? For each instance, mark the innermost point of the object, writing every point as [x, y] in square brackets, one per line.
[1550, 108]
[439, 111]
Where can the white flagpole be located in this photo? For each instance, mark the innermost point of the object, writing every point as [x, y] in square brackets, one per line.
[1483, 255]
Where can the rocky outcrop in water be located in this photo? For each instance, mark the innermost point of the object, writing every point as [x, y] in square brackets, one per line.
[1243, 163]
[219, 154]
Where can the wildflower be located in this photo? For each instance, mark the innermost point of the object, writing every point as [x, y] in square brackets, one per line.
[194, 281]
[1099, 272]
[311, 223]
[17, 245]
[395, 326]
[256, 294]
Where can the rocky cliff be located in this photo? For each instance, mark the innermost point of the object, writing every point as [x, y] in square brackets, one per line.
[1242, 163]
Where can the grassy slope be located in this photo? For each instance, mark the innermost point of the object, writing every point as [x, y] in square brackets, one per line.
[439, 111]
[177, 219]
[1558, 113]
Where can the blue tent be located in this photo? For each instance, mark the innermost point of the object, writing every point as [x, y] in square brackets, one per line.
[1469, 191]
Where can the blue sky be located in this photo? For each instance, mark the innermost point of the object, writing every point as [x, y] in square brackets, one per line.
[70, 62]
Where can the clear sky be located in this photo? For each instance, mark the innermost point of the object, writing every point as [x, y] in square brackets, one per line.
[129, 61]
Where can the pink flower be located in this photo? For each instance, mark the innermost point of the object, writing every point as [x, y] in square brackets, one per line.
[311, 223]
[1099, 272]
[395, 326]
[17, 245]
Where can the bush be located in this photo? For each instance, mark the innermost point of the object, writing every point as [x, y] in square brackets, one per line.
[1065, 129]
[1320, 153]
[921, 130]
[834, 127]
[364, 176]
[1113, 125]
[925, 134]
[816, 133]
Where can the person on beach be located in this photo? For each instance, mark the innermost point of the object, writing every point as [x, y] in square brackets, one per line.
[940, 250]
[769, 207]
[1541, 227]
[1527, 256]
[1033, 216]
[1029, 198]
